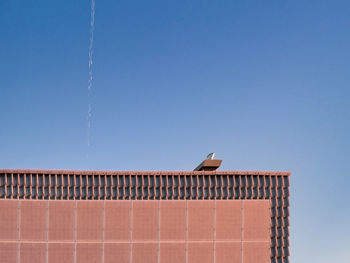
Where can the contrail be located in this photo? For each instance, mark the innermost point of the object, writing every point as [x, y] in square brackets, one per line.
[92, 23]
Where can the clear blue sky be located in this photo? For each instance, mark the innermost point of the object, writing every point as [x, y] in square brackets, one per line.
[265, 84]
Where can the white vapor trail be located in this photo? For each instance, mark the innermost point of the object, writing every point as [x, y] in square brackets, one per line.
[92, 24]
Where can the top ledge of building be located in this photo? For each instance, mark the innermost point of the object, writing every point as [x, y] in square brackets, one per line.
[187, 173]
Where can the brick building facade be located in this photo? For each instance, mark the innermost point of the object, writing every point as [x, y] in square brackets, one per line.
[105, 216]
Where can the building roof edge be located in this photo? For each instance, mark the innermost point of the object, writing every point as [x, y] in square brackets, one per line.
[114, 172]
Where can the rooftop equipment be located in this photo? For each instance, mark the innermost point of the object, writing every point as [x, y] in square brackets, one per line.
[209, 164]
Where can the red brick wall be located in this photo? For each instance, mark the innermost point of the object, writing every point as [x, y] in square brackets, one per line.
[192, 231]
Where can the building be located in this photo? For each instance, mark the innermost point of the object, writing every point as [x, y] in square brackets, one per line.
[116, 216]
